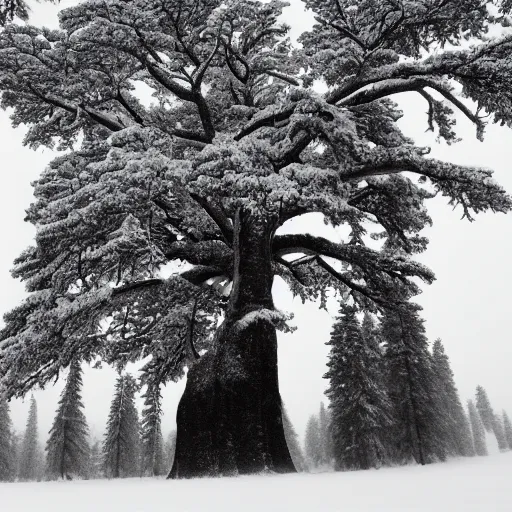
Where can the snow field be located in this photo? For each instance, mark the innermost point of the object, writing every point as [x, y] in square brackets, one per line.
[479, 484]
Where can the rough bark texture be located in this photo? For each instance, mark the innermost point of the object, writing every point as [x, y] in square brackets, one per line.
[229, 418]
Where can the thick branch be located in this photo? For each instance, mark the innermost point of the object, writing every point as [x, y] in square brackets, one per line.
[218, 216]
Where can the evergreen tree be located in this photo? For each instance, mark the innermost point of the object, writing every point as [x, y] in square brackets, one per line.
[313, 443]
[170, 449]
[454, 426]
[358, 401]
[416, 431]
[231, 143]
[95, 461]
[507, 427]
[484, 408]
[292, 442]
[325, 434]
[121, 445]
[7, 453]
[67, 446]
[499, 432]
[151, 432]
[30, 454]
[477, 429]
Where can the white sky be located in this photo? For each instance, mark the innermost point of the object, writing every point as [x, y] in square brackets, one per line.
[467, 306]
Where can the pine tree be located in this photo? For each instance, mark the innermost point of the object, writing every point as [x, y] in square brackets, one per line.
[359, 405]
[484, 408]
[507, 427]
[7, 453]
[477, 429]
[292, 442]
[325, 441]
[67, 446]
[151, 433]
[491, 422]
[30, 453]
[121, 445]
[95, 470]
[499, 432]
[454, 426]
[170, 450]
[415, 434]
[313, 443]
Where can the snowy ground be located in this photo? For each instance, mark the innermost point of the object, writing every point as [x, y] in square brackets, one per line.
[477, 484]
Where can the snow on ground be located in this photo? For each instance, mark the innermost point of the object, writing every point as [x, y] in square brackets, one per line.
[469, 485]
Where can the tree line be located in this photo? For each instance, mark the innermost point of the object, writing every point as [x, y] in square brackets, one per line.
[393, 399]
[132, 446]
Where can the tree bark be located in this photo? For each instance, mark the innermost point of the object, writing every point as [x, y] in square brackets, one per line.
[229, 419]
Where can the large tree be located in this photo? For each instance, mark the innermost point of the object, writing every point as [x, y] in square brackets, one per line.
[159, 194]
[68, 444]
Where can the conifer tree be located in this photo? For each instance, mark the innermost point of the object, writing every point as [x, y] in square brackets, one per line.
[313, 443]
[359, 404]
[95, 470]
[454, 426]
[484, 408]
[292, 442]
[170, 449]
[477, 429]
[121, 444]
[325, 441]
[30, 454]
[68, 446]
[499, 432]
[415, 434]
[507, 427]
[491, 421]
[151, 432]
[7, 454]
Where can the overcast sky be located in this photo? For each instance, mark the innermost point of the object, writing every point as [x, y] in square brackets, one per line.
[468, 306]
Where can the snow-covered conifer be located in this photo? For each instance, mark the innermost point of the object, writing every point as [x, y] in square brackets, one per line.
[30, 457]
[415, 434]
[484, 408]
[454, 426]
[170, 450]
[68, 446]
[325, 434]
[121, 444]
[96, 467]
[7, 453]
[499, 431]
[507, 428]
[152, 443]
[293, 443]
[313, 443]
[477, 429]
[207, 174]
[360, 408]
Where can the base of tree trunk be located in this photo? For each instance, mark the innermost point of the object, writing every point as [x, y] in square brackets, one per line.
[229, 419]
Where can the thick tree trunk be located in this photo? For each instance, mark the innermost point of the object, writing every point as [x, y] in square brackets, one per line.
[229, 418]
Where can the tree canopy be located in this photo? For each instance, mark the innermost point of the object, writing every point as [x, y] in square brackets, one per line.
[175, 115]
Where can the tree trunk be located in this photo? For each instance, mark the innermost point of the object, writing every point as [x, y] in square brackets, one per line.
[229, 419]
